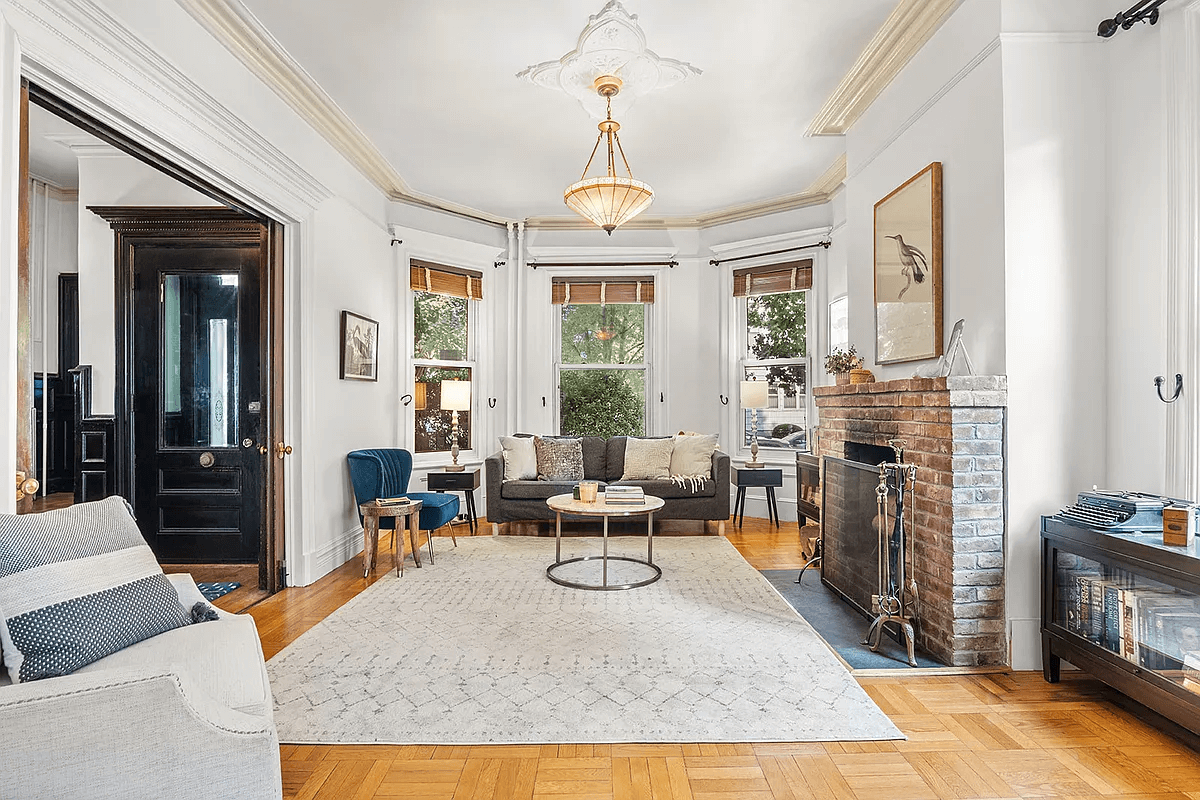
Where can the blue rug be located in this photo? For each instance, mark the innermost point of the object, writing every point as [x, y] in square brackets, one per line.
[212, 591]
[838, 623]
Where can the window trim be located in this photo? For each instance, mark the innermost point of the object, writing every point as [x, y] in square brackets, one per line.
[770, 455]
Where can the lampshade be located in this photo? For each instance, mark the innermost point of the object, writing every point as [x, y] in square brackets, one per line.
[608, 200]
[754, 394]
[456, 395]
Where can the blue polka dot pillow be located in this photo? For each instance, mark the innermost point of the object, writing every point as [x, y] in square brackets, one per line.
[76, 585]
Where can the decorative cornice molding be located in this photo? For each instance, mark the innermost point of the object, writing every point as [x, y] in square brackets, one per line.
[62, 193]
[701, 221]
[775, 240]
[83, 145]
[902, 35]
[110, 49]
[831, 179]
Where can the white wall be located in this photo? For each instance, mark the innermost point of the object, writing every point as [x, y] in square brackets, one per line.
[53, 251]
[1055, 245]
[1136, 424]
[112, 180]
[945, 106]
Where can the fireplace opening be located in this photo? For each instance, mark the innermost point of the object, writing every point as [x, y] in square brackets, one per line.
[873, 454]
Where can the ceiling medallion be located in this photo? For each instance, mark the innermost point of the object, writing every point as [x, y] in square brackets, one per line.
[612, 43]
[611, 199]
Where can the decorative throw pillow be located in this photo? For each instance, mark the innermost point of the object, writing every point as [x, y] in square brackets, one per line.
[559, 459]
[647, 459]
[693, 454]
[520, 458]
[76, 585]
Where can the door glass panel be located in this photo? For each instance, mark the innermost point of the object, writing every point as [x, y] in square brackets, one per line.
[199, 358]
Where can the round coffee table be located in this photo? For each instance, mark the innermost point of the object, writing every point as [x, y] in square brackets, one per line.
[566, 504]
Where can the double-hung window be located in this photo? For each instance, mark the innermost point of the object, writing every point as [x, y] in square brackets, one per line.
[445, 301]
[602, 366]
[773, 302]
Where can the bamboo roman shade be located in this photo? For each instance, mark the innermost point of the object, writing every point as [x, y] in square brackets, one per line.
[602, 290]
[425, 276]
[791, 276]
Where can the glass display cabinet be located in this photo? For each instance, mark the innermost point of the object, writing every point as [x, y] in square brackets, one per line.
[1125, 608]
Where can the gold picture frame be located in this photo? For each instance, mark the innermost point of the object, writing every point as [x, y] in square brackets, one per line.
[908, 270]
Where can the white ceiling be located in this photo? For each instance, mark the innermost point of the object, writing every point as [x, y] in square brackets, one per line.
[433, 85]
[50, 154]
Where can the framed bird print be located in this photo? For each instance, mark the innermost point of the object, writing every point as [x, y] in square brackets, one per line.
[360, 348]
[908, 270]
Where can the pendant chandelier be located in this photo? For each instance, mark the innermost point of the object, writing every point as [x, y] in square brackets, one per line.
[610, 200]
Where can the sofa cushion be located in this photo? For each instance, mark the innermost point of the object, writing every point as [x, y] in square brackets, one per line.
[559, 459]
[78, 584]
[534, 490]
[224, 657]
[615, 450]
[673, 490]
[647, 459]
[520, 458]
[595, 458]
[692, 454]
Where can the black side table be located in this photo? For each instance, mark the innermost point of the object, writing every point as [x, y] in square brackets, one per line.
[768, 478]
[466, 482]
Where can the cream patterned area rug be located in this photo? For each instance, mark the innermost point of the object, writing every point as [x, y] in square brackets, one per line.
[482, 647]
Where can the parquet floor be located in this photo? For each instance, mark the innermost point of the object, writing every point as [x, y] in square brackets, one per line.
[999, 735]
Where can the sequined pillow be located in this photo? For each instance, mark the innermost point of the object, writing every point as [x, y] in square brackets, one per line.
[559, 459]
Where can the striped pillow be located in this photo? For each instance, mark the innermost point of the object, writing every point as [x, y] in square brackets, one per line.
[76, 585]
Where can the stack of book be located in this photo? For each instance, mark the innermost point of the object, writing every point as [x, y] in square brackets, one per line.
[624, 496]
[392, 501]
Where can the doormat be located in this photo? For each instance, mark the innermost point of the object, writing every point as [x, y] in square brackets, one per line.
[212, 591]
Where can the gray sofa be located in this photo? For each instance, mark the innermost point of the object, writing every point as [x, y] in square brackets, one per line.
[187, 713]
[604, 461]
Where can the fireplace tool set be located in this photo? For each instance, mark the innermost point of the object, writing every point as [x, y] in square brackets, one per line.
[897, 601]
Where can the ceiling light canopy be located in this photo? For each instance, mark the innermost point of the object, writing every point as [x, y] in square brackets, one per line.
[612, 43]
[609, 200]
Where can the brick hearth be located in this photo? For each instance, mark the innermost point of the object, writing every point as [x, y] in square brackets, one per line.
[954, 428]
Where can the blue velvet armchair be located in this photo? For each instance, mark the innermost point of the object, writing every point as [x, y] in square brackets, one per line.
[384, 472]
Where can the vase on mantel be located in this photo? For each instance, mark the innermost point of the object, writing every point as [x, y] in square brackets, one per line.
[842, 378]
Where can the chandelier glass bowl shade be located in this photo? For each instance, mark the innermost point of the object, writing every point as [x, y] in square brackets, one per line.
[608, 200]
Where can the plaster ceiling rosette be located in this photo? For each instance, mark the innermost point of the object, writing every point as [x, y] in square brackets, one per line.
[612, 43]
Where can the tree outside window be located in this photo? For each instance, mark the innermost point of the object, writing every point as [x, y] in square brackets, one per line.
[777, 351]
[441, 350]
[602, 369]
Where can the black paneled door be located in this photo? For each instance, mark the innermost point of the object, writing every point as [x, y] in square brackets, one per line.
[197, 409]
[193, 414]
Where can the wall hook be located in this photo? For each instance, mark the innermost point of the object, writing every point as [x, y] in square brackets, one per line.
[1159, 380]
[661, 398]
[396, 241]
[724, 399]
[491, 402]
[543, 401]
[406, 399]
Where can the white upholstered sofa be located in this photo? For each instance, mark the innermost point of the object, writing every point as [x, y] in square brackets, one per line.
[186, 713]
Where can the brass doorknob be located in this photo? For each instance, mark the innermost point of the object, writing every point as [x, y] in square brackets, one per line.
[30, 486]
[283, 449]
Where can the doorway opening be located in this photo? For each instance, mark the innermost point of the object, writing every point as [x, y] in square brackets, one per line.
[148, 382]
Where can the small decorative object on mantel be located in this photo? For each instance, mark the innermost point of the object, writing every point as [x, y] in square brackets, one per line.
[861, 376]
[840, 362]
[1179, 525]
[945, 363]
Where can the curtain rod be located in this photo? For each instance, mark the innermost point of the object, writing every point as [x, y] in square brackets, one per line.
[671, 264]
[715, 261]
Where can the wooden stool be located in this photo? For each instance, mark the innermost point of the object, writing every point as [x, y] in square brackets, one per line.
[372, 512]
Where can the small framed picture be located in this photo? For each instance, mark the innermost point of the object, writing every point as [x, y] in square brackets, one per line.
[839, 323]
[360, 348]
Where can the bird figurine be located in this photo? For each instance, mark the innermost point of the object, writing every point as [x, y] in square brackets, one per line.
[913, 263]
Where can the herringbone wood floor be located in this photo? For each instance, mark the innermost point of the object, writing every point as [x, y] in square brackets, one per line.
[969, 736]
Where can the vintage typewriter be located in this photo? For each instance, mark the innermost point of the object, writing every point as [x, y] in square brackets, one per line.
[1117, 510]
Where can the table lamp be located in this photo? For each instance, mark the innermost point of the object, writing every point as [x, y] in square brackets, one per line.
[754, 397]
[456, 397]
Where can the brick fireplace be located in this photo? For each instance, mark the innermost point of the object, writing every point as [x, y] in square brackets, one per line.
[954, 428]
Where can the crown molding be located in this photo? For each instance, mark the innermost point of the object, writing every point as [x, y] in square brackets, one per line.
[83, 145]
[831, 179]
[906, 30]
[54, 190]
[774, 240]
[699, 222]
